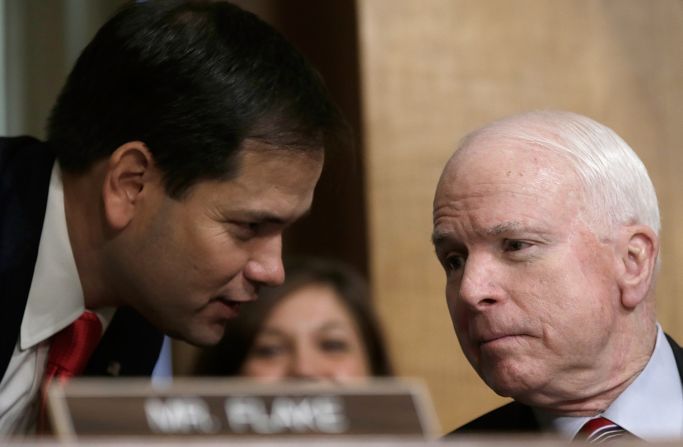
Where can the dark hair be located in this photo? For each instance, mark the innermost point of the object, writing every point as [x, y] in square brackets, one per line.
[192, 80]
[228, 357]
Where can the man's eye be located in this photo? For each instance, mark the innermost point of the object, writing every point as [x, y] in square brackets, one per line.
[454, 263]
[515, 245]
[246, 230]
[251, 226]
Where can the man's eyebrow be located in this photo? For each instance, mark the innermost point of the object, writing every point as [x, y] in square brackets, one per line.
[270, 218]
[515, 226]
[263, 216]
[503, 228]
[438, 237]
[442, 239]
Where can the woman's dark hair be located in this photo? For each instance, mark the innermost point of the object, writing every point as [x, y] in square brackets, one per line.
[192, 80]
[228, 357]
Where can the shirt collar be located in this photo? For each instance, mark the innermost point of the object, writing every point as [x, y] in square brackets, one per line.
[56, 297]
[650, 408]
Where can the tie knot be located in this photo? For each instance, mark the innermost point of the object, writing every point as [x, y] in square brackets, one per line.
[71, 347]
[600, 430]
[70, 350]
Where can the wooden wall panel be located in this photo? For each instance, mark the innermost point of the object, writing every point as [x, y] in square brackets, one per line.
[431, 70]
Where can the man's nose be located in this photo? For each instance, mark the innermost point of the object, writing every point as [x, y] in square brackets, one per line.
[265, 264]
[479, 286]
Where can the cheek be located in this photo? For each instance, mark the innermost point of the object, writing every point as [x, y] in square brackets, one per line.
[207, 243]
[452, 297]
[595, 264]
[567, 301]
[459, 315]
[353, 365]
[551, 298]
[469, 349]
[460, 320]
[216, 262]
[363, 362]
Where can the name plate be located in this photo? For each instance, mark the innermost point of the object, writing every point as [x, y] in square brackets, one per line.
[225, 407]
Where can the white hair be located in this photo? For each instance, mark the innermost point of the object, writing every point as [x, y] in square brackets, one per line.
[616, 183]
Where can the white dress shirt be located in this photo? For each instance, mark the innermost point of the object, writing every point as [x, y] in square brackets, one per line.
[54, 301]
[651, 407]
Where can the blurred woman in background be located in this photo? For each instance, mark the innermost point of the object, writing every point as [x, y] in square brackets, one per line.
[320, 324]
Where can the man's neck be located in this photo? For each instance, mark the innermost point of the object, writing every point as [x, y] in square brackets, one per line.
[85, 225]
[601, 388]
[650, 407]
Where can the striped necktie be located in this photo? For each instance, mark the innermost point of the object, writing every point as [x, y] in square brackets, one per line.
[599, 430]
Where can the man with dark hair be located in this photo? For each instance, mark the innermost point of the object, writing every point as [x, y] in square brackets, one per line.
[188, 136]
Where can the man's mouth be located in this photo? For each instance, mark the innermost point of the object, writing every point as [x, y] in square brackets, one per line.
[493, 338]
[498, 340]
[231, 307]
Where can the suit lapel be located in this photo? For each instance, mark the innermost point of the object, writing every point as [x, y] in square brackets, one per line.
[678, 355]
[129, 347]
[510, 418]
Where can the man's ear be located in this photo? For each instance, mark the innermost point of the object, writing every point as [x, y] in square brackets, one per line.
[638, 258]
[129, 170]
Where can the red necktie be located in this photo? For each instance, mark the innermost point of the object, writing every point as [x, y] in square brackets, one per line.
[69, 352]
[599, 430]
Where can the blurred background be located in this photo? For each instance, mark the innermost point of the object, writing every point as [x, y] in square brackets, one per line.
[412, 76]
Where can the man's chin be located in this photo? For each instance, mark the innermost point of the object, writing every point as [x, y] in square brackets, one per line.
[202, 339]
[507, 383]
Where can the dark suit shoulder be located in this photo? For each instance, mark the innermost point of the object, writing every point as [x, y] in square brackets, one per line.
[129, 347]
[674, 346]
[513, 417]
[13, 147]
[678, 355]
[25, 166]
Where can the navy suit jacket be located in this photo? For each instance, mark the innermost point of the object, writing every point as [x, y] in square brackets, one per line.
[516, 417]
[130, 346]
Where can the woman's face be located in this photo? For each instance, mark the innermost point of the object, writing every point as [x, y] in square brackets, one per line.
[308, 335]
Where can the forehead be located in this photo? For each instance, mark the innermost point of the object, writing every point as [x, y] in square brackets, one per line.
[269, 181]
[500, 161]
[269, 162]
[506, 181]
[490, 158]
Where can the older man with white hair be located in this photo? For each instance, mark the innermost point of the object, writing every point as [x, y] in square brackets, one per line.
[547, 226]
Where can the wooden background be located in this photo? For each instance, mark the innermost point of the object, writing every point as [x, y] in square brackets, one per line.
[433, 70]
[413, 76]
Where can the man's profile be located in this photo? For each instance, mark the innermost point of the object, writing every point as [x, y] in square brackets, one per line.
[547, 226]
[188, 136]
